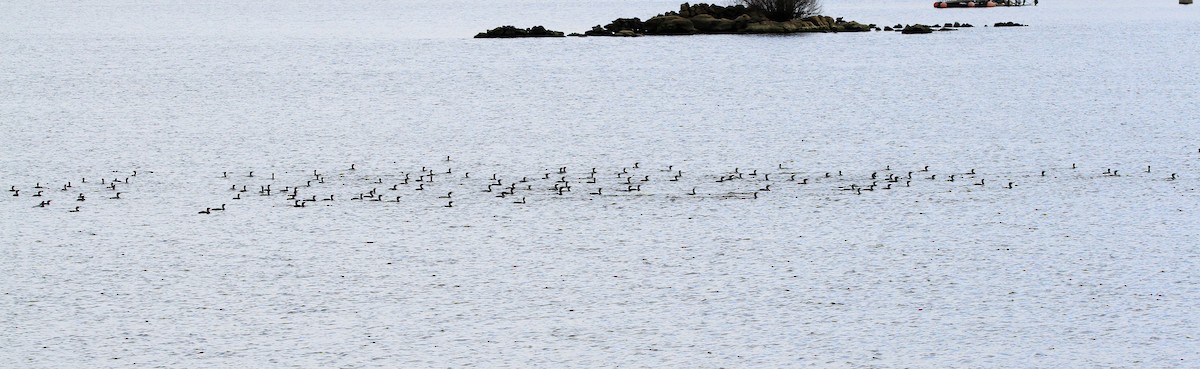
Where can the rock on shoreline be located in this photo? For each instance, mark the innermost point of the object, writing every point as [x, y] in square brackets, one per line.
[514, 32]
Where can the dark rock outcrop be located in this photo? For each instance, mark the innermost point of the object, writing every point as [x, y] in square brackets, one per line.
[514, 32]
[716, 19]
[669, 25]
[634, 25]
[624, 27]
[916, 29]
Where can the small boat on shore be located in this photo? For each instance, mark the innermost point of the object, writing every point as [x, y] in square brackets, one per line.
[1185, 2]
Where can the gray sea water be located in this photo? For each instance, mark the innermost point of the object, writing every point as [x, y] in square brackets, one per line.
[735, 201]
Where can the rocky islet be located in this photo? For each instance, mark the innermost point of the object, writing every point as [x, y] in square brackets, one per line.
[708, 19]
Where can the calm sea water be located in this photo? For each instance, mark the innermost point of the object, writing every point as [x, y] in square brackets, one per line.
[1071, 268]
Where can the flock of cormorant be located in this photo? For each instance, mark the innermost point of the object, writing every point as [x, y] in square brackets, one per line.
[443, 185]
[46, 192]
